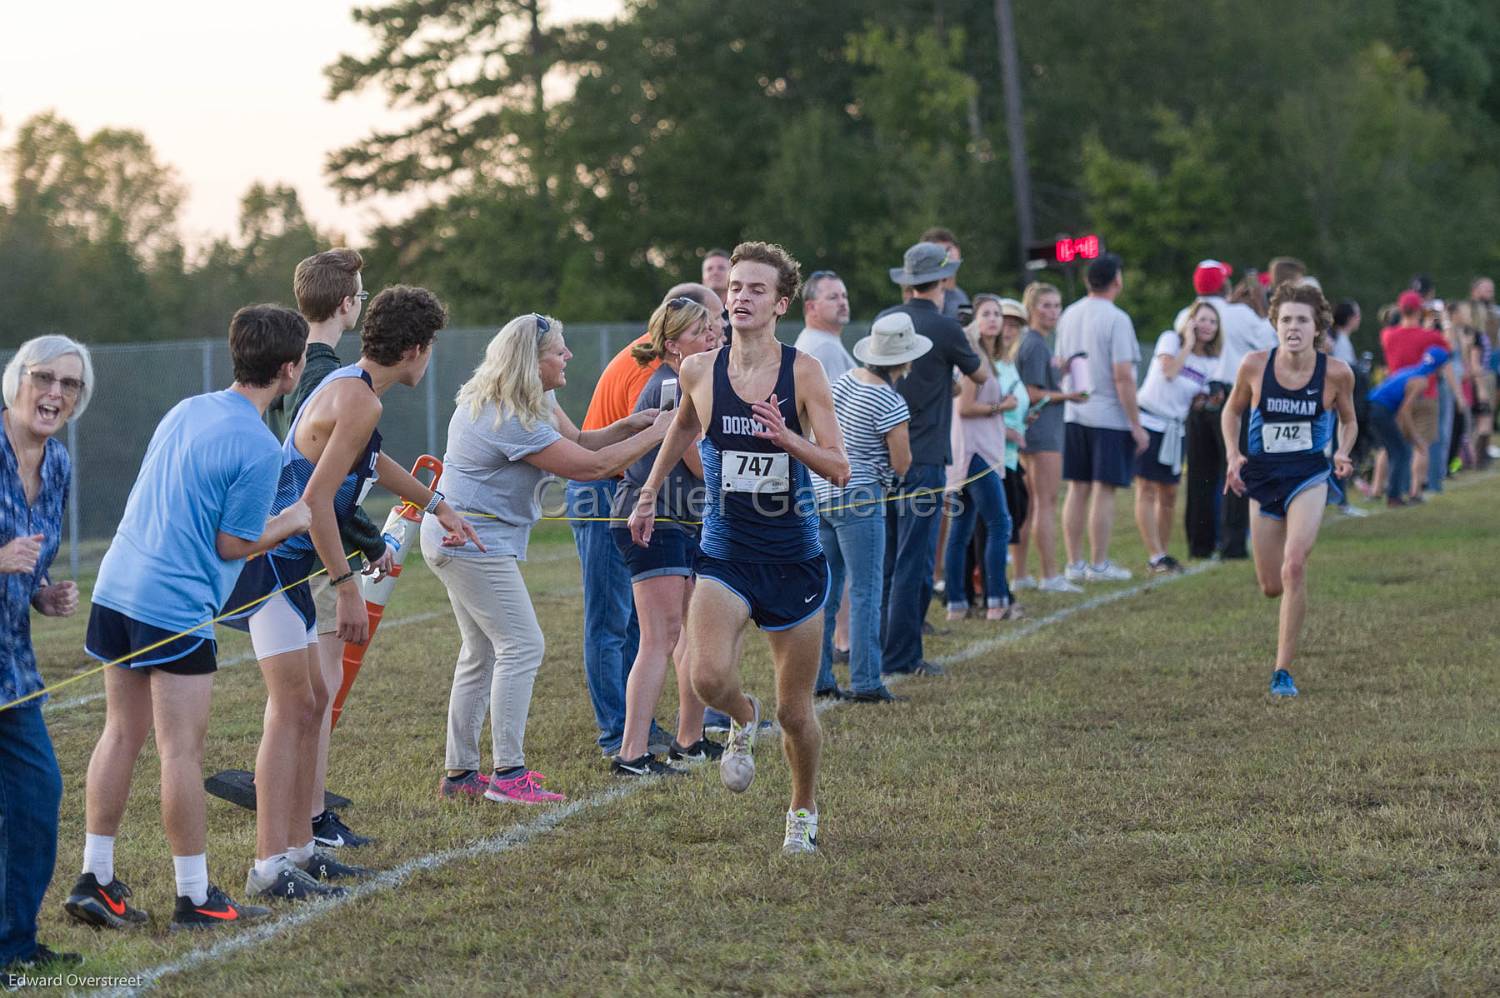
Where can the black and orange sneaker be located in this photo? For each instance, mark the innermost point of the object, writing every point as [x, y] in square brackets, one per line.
[219, 909]
[103, 907]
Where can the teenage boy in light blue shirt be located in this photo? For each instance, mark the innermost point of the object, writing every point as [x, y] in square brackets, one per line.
[198, 509]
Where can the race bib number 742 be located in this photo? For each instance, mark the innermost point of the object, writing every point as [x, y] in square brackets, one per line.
[1285, 438]
[748, 471]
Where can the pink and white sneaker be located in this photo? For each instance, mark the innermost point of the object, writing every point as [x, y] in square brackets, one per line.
[523, 789]
[466, 787]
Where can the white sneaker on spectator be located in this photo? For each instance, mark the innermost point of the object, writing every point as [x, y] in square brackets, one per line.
[1107, 571]
[1058, 584]
[1077, 571]
[1024, 582]
[1354, 512]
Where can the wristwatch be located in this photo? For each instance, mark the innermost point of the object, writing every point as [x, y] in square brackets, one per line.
[432, 504]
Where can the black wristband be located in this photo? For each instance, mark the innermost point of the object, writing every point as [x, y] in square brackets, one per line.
[341, 579]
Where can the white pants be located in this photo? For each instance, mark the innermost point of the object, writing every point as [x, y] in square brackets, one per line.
[502, 650]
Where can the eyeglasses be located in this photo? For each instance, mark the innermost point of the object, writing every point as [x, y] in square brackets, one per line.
[44, 380]
[362, 296]
[818, 275]
[682, 302]
[543, 327]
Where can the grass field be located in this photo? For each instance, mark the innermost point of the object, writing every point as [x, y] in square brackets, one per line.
[1096, 800]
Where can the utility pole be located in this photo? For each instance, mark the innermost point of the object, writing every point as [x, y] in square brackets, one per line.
[1015, 127]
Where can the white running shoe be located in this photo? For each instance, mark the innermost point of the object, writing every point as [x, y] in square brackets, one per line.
[1107, 571]
[1077, 571]
[1024, 582]
[801, 833]
[1354, 512]
[1058, 584]
[737, 764]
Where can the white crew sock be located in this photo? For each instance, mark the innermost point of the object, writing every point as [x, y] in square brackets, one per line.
[99, 857]
[301, 855]
[192, 877]
[266, 870]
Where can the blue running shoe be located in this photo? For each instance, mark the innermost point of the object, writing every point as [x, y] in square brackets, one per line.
[1282, 685]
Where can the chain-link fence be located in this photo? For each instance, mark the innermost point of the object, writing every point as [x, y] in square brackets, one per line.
[139, 383]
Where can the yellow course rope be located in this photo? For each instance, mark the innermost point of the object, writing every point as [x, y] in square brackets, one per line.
[44, 691]
[916, 494]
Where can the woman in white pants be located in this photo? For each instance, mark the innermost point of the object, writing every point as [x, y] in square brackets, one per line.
[505, 436]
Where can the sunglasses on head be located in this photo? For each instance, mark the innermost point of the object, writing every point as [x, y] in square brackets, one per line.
[543, 327]
[681, 302]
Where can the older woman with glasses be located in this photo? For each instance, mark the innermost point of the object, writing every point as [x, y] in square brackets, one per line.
[506, 435]
[46, 384]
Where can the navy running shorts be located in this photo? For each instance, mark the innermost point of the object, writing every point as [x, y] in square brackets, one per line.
[1275, 492]
[112, 636]
[671, 552]
[262, 578]
[778, 596]
[1091, 454]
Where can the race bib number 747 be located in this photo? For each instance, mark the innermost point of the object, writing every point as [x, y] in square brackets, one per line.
[1285, 438]
[748, 471]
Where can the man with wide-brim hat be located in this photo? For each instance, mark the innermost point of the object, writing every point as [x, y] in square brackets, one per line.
[924, 263]
[912, 523]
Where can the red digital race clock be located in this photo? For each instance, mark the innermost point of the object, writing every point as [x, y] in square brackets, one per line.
[1067, 250]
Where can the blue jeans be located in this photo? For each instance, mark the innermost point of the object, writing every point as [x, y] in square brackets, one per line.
[911, 528]
[854, 543]
[1397, 451]
[611, 634]
[1437, 453]
[30, 792]
[984, 499]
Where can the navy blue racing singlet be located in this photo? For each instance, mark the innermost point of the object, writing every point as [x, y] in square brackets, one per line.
[760, 506]
[1289, 427]
[296, 470]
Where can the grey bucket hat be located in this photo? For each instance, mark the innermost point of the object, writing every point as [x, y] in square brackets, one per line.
[924, 263]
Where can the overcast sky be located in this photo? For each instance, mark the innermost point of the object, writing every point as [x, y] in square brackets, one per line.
[226, 94]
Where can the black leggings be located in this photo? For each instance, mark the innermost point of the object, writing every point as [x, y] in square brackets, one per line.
[1204, 451]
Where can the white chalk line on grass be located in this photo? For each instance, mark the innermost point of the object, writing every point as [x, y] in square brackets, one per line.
[519, 835]
[240, 659]
[511, 838]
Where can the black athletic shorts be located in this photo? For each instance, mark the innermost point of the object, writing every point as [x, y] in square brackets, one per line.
[113, 636]
[778, 596]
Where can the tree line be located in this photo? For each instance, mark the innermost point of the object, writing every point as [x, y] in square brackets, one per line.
[580, 167]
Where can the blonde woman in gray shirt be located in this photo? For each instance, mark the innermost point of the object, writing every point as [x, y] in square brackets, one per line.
[507, 433]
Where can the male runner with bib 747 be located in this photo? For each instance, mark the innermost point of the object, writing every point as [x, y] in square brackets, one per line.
[759, 549]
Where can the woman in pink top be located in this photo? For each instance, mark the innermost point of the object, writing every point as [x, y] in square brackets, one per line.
[979, 450]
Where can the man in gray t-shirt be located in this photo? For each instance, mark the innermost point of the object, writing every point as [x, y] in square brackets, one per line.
[1102, 435]
[825, 312]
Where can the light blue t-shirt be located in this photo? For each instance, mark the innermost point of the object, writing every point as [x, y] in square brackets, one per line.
[211, 466]
[1015, 419]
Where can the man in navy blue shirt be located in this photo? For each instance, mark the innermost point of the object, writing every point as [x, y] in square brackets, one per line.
[912, 524]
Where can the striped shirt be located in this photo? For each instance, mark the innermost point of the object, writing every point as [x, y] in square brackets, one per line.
[866, 413]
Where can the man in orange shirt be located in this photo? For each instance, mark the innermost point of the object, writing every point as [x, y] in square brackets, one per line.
[610, 631]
